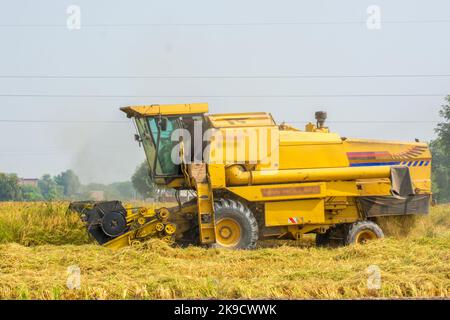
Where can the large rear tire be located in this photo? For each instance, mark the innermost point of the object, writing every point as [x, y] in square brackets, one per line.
[362, 231]
[346, 234]
[236, 226]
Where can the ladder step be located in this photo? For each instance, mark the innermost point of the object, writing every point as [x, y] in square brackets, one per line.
[207, 226]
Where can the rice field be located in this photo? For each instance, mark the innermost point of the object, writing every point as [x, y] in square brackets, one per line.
[42, 252]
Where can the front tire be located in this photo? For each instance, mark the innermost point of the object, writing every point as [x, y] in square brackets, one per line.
[236, 226]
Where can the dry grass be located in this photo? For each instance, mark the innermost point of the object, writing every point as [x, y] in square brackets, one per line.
[417, 266]
[40, 223]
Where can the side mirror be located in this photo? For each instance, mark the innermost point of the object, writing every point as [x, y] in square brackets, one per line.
[138, 139]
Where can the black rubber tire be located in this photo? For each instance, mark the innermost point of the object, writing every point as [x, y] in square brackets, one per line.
[243, 216]
[359, 226]
[333, 237]
[114, 223]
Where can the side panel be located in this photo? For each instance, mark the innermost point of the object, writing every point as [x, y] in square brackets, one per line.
[294, 191]
[312, 156]
[249, 146]
[280, 192]
[217, 176]
[311, 150]
[282, 213]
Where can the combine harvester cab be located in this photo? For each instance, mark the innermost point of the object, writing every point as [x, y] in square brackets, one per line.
[254, 179]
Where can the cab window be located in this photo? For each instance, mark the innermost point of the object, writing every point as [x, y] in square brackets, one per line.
[161, 130]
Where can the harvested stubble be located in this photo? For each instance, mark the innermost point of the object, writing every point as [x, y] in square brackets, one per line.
[417, 266]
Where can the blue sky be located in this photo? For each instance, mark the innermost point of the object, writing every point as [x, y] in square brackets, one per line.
[257, 45]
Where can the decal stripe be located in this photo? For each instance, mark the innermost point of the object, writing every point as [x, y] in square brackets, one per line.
[419, 163]
[411, 152]
[368, 155]
[290, 191]
[374, 164]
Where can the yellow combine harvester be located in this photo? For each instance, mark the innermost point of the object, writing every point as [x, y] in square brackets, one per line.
[254, 179]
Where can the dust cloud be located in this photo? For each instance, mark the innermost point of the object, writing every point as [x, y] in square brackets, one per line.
[103, 153]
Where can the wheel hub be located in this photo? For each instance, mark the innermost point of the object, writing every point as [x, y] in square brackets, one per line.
[365, 235]
[113, 223]
[228, 232]
[225, 232]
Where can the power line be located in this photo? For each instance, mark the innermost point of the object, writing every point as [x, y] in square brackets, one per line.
[62, 121]
[220, 96]
[51, 153]
[369, 121]
[225, 24]
[224, 76]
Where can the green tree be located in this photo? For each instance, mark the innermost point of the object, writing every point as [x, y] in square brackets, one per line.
[31, 193]
[50, 190]
[70, 183]
[142, 181]
[440, 149]
[443, 128]
[9, 187]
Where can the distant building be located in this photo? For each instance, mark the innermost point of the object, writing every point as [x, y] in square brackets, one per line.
[28, 182]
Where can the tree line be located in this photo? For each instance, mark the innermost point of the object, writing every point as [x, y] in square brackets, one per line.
[440, 149]
[67, 186]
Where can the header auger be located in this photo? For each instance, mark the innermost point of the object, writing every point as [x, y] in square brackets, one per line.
[254, 179]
